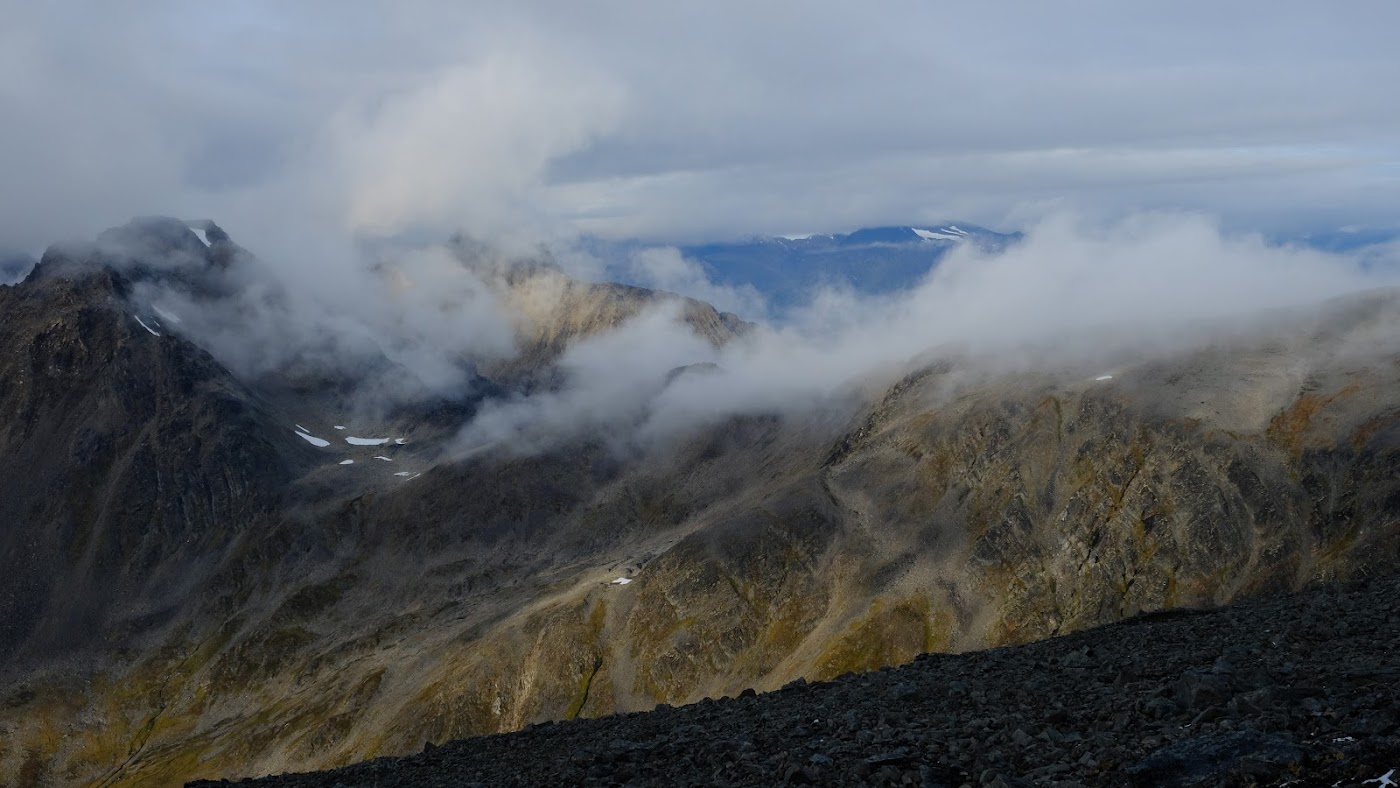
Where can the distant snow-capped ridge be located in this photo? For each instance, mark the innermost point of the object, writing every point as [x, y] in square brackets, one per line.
[950, 233]
[784, 269]
[887, 234]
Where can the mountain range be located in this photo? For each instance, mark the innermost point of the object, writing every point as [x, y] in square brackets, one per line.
[213, 566]
[786, 271]
[869, 260]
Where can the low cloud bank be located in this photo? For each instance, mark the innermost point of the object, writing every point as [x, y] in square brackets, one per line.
[404, 323]
[386, 327]
[1070, 295]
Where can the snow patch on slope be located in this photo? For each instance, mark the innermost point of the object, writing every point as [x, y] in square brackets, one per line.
[312, 439]
[154, 333]
[933, 235]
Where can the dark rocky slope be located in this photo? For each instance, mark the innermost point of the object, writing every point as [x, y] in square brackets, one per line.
[1297, 690]
[131, 460]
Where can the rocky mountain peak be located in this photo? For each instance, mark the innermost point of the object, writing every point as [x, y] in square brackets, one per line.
[161, 250]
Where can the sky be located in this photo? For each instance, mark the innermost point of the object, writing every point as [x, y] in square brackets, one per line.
[300, 126]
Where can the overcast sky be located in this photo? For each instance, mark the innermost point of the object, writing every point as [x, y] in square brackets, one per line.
[712, 120]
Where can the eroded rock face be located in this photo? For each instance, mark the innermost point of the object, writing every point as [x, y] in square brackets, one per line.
[194, 590]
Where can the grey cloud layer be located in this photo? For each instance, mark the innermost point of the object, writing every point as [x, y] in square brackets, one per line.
[546, 119]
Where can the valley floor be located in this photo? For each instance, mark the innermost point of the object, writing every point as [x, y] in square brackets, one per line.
[1288, 691]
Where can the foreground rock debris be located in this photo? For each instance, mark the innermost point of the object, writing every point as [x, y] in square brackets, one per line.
[1296, 690]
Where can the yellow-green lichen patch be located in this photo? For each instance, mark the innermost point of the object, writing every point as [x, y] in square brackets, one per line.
[890, 633]
[1289, 428]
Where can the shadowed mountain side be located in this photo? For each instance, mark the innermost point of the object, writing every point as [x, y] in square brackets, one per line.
[129, 459]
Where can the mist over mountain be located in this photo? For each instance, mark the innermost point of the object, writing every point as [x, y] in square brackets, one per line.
[773, 276]
[469, 366]
[14, 266]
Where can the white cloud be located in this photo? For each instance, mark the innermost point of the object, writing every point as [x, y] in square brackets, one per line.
[468, 146]
[609, 379]
[665, 268]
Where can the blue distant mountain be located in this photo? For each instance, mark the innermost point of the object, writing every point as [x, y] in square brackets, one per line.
[1346, 239]
[871, 260]
[877, 260]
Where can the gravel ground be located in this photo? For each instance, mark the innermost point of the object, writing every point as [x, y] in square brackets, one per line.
[1298, 690]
